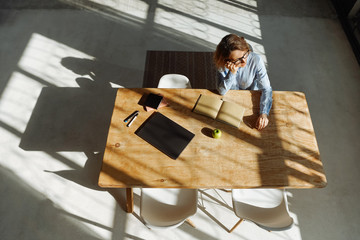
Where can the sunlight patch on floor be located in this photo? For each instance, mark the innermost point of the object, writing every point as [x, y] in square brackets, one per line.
[40, 66]
[42, 59]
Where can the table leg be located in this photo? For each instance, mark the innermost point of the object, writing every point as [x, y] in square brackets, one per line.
[129, 200]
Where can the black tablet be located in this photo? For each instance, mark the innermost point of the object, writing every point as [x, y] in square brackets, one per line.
[165, 135]
[153, 100]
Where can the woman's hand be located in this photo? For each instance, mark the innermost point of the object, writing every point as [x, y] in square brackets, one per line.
[262, 121]
[232, 67]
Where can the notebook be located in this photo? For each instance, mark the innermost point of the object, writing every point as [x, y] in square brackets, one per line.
[218, 109]
[165, 134]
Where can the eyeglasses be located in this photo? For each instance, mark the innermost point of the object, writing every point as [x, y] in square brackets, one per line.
[237, 61]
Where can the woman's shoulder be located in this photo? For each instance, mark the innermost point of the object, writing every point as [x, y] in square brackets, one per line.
[255, 57]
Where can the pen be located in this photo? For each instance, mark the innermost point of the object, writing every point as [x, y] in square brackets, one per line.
[131, 115]
[132, 120]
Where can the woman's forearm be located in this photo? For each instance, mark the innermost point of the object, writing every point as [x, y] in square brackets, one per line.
[224, 81]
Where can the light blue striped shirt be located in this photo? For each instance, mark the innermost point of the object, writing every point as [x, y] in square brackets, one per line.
[251, 77]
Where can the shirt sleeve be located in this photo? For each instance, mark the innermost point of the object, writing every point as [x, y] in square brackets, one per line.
[264, 85]
[225, 79]
[266, 101]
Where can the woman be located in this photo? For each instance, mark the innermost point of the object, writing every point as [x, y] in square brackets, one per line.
[240, 68]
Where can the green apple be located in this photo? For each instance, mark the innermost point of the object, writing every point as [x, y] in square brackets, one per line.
[216, 133]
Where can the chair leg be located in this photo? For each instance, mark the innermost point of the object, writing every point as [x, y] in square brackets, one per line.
[226, 190]
[237, 224]
[190, 223]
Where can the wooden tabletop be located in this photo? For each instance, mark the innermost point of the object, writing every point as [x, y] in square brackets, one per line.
[283, 155]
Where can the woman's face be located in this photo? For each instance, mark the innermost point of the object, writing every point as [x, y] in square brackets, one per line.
[238, 57]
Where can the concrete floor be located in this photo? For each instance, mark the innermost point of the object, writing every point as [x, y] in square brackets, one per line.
[60, 61]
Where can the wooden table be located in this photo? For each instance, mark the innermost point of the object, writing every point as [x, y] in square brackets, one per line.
[283, 155]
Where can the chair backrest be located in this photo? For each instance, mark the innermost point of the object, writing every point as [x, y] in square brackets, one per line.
[267, 208]
[174, 81]
[167, 207]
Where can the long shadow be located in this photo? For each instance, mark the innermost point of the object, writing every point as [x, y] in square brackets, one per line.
[101, 73]
[70, 119]
[73, 119]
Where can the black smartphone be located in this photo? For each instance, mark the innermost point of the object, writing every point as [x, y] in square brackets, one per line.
[153, 100]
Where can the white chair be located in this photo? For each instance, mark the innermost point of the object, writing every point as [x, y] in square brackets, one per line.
[167, 207]
[174, 81]
[267, 208]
